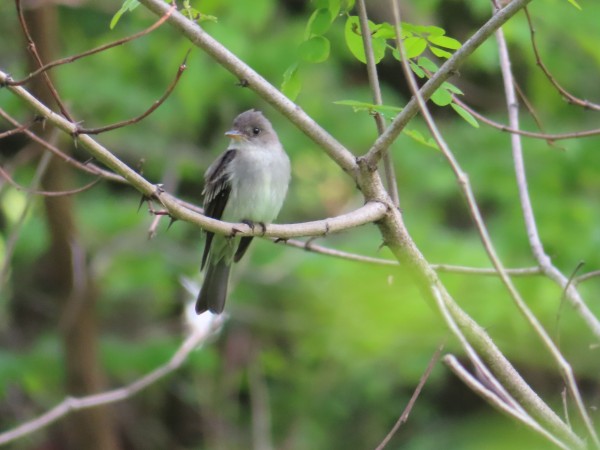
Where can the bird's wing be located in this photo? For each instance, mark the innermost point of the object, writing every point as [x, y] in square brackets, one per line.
[217, 187]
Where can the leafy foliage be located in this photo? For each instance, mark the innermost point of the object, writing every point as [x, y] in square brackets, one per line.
[339, 346]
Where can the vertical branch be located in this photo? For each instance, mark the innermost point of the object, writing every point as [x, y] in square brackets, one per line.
[63, 270]
[514, 388]
[388, 165]
[532, 232]
[537, 248]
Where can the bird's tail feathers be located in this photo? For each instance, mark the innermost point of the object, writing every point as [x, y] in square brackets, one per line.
[214, 289]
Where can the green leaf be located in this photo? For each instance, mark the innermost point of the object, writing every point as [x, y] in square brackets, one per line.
[128, 5]
[291, 84]
[452, 88]
[441, 97]
[389, 112]
[315, 50]
[414, 46]
[319, 22]
[445, 42]
[575, 4]
[334, 8]
[385, 31]
[439, 52]
[462, 112]
[427, 64]
[424, 30]
[432, 30]
[418, 137]
[355, 43]
[347, 5]
[417, 70]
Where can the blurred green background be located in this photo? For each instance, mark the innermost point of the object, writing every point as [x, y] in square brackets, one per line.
[329, 351]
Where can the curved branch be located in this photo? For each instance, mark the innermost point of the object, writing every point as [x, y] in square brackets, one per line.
[70, 59]
[251, 79]
[71, 404]
[447, 69]
[370, 212]
[532, 134]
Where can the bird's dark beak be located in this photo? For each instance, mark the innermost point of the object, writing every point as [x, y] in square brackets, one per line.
[235, 135]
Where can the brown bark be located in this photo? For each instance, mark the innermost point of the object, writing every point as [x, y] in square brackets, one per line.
[66, 275]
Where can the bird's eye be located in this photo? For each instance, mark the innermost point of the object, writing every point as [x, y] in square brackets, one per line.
[255, 131]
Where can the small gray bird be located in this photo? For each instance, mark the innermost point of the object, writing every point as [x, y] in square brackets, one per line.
[247, 183]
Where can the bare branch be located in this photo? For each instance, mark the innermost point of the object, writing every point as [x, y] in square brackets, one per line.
[13, 237]
[536, 244]
[563, 92]
[491, 397]
[370, 212]
[88, 168]
[70, 404]
[93, 51]
[388, 165]
[411, 403]
[544, 414]
[31, 47]
[4, 174]
[340, 154]
[155, 105]
[531, 134]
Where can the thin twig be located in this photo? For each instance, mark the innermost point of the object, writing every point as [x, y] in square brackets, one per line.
[4, 174]
[310, 246]
[31, 47]
[445, 71]
[388, 164]
[18, 130]
[586, 277]
[537, 247]
[476, 386]
[464, 184]
[411, 403]
[155, 105]
[368, 213]
[563, 92]
[13, 237]
[93, 51]
[88, 168]
[531, 134]
[487, 386]
[71, 404]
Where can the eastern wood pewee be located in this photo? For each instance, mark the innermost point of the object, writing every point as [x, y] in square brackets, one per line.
[247, 183]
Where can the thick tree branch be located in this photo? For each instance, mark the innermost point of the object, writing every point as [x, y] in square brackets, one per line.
[388, 164]
[342, 156]
[447, 69]
[370, 212]
[502, 369]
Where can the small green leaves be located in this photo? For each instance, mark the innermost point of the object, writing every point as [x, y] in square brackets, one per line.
[354, 40]
[193, 14]
[291, 82]
[128, 5]
[315, 50]
[462, 112]
[575, 4]
[417, 136]
[441, 97]
[389, 112]
[414, 46]
[445, 42]
[319, 22]
[427, 64]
